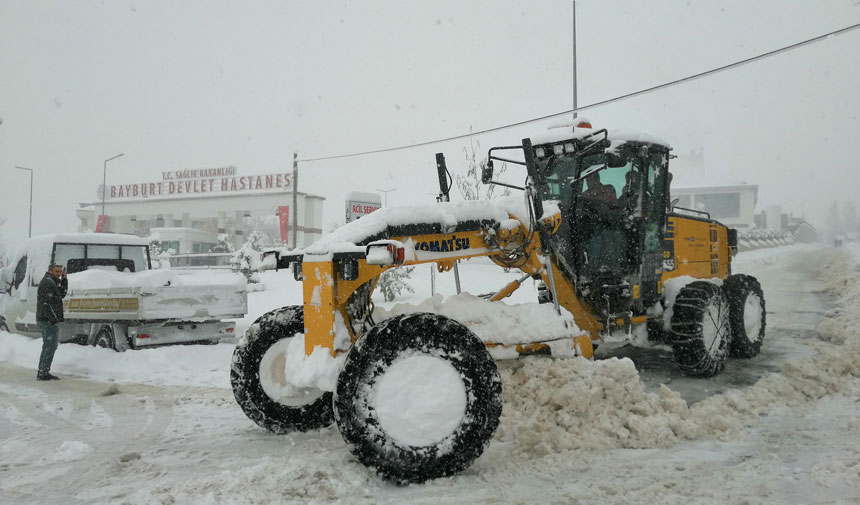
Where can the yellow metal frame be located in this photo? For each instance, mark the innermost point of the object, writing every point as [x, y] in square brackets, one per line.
[700, 250]
[326, 293]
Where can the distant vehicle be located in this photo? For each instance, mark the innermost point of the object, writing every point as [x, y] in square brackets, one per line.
[115, 299]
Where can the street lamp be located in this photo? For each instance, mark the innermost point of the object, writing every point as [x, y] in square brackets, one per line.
[385, 192]
[30, 232]
[104, 180]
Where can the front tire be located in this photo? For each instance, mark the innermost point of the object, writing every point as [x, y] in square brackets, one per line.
[418, 398]
[258, 378]
[747, 315]
[700, 332]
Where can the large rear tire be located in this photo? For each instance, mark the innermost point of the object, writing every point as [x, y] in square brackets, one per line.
[700, 332]
[257, 376]
[418, 398]
[747, 315]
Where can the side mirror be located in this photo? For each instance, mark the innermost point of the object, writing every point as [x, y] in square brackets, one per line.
[487, 172]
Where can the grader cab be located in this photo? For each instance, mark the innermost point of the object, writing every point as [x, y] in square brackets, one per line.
[418, 396]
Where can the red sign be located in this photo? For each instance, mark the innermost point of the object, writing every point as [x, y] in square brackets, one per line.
[356, 209]
[100, 224]
[284, 218]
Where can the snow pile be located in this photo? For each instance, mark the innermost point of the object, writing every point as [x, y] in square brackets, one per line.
[496, 322]
[182, 365]
[319, 370]
[557, 405]
[70, 450]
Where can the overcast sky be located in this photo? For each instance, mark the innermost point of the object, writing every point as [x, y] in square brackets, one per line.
[187, 84]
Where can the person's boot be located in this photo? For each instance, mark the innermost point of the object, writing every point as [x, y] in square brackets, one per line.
[46, 377]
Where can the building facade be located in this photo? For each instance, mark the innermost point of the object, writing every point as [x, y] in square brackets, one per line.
[733, 206]
[190, 210]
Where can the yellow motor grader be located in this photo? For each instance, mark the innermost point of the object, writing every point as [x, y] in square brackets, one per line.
[418, 396]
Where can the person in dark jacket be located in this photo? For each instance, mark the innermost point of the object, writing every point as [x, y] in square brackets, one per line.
[49, 313]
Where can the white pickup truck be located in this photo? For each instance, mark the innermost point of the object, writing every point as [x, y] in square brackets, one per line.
[115, 299]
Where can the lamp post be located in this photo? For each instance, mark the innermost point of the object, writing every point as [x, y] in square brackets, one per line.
[385, 192]
[104, 180]
[30, 232]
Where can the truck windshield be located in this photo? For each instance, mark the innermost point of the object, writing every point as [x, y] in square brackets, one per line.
[112, 257]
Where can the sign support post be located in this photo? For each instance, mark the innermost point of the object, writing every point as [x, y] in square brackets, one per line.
[294, 243]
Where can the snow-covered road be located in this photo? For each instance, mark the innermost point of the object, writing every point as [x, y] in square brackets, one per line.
[572, 431]
[795, 301]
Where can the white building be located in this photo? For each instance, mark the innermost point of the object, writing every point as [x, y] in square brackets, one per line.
[189, 209]
[733, 206]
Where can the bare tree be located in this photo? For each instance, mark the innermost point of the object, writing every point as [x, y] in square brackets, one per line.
[469, 184]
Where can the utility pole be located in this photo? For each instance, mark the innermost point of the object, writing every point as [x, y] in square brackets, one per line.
[574, 59]
[104, 183]
[29, 233]
[295, 210]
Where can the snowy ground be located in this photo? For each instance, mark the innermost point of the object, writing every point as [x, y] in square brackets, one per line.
[161, 426]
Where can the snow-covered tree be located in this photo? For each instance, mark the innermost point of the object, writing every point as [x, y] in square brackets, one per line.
[247, 258]
[223, 244]
[159, 257]
[266, 228]
[393, 282]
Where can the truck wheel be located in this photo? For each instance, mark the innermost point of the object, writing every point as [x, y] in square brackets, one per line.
[418, 397]
[104, 338]
[747, 315]
[4, 326]
[258, 377]
[700, 329]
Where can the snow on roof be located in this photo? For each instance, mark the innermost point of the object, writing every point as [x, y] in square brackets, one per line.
[567, 131]
[90, 238]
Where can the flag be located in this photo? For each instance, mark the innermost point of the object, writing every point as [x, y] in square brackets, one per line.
[284, 218]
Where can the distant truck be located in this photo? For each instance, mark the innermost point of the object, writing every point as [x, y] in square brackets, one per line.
[115, 299]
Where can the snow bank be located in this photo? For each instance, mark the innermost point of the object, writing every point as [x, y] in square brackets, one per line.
[191, 365]
[496, 322]
[557, 405]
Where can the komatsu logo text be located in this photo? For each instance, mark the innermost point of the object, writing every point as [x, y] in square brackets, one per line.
[451, 244]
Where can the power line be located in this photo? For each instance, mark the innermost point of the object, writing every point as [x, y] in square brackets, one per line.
[596, 104]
